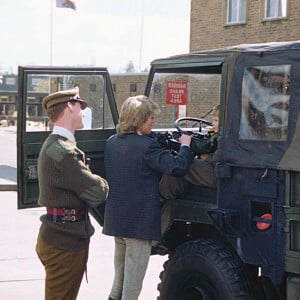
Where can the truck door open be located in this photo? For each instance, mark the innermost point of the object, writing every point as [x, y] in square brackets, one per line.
[33, 126]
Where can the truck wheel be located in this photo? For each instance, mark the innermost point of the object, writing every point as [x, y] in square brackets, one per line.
[204, 270]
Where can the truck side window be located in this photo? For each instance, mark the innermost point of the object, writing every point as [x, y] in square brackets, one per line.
[265, 103]
[92, 89]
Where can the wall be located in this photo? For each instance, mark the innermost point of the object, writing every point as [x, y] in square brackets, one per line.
[209, 29]
[124, 84]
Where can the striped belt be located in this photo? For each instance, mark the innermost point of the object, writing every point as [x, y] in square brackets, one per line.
[65, 214]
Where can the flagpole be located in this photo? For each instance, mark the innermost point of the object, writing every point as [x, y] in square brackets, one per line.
[141, 37]
[51, 32]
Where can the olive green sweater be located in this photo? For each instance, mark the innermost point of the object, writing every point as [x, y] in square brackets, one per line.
[66, 182]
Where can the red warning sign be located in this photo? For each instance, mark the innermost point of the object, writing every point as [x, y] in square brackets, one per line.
[177, 92]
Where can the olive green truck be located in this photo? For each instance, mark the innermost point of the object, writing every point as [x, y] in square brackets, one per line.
[240, 240]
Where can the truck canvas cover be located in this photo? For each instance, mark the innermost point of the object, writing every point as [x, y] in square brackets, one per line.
[263, 101]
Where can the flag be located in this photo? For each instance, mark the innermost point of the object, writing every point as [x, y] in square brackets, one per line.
[65, 4]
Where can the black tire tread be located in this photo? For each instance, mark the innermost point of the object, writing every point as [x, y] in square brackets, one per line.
[224, 258]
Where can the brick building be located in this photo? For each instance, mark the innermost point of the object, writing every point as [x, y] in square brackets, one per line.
[128, 84]
[124, 86]
[217, 24]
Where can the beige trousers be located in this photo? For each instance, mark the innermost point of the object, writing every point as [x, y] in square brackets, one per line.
[130, 263]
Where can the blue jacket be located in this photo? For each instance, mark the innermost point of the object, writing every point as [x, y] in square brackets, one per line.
[133, 166]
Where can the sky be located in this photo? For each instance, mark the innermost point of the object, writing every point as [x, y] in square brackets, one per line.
[99, 33]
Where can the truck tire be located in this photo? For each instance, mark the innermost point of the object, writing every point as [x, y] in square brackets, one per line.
[204, 270]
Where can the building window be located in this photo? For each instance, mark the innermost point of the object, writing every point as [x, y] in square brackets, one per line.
[236, 11]
[133, 87]
[275, 8]
[157, 88]
[92, 87]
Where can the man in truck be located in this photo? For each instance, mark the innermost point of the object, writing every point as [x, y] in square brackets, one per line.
[201, 170]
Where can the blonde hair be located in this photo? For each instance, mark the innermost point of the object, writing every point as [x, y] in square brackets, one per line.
[135, 111]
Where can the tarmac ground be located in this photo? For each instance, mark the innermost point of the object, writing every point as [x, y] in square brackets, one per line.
[21, 273]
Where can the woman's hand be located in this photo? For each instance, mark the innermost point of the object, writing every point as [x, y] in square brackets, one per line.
[185, 139]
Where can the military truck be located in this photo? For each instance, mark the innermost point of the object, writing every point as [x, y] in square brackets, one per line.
[240, 240]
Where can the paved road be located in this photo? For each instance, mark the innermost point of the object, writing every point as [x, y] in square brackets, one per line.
[8, 155]
[21, 274]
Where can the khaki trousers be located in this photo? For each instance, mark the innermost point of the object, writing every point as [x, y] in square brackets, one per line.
[64, 270]
[130, 262]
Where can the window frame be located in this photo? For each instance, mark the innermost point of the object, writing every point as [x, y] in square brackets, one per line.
[264, 5]
[269, 90]
[227, 4]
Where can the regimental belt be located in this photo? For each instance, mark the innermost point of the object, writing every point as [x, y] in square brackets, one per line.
[66, 214]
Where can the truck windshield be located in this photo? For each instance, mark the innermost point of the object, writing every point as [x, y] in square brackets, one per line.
[182, 94]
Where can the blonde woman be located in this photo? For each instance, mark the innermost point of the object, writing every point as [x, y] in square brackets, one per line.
[134, 164]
